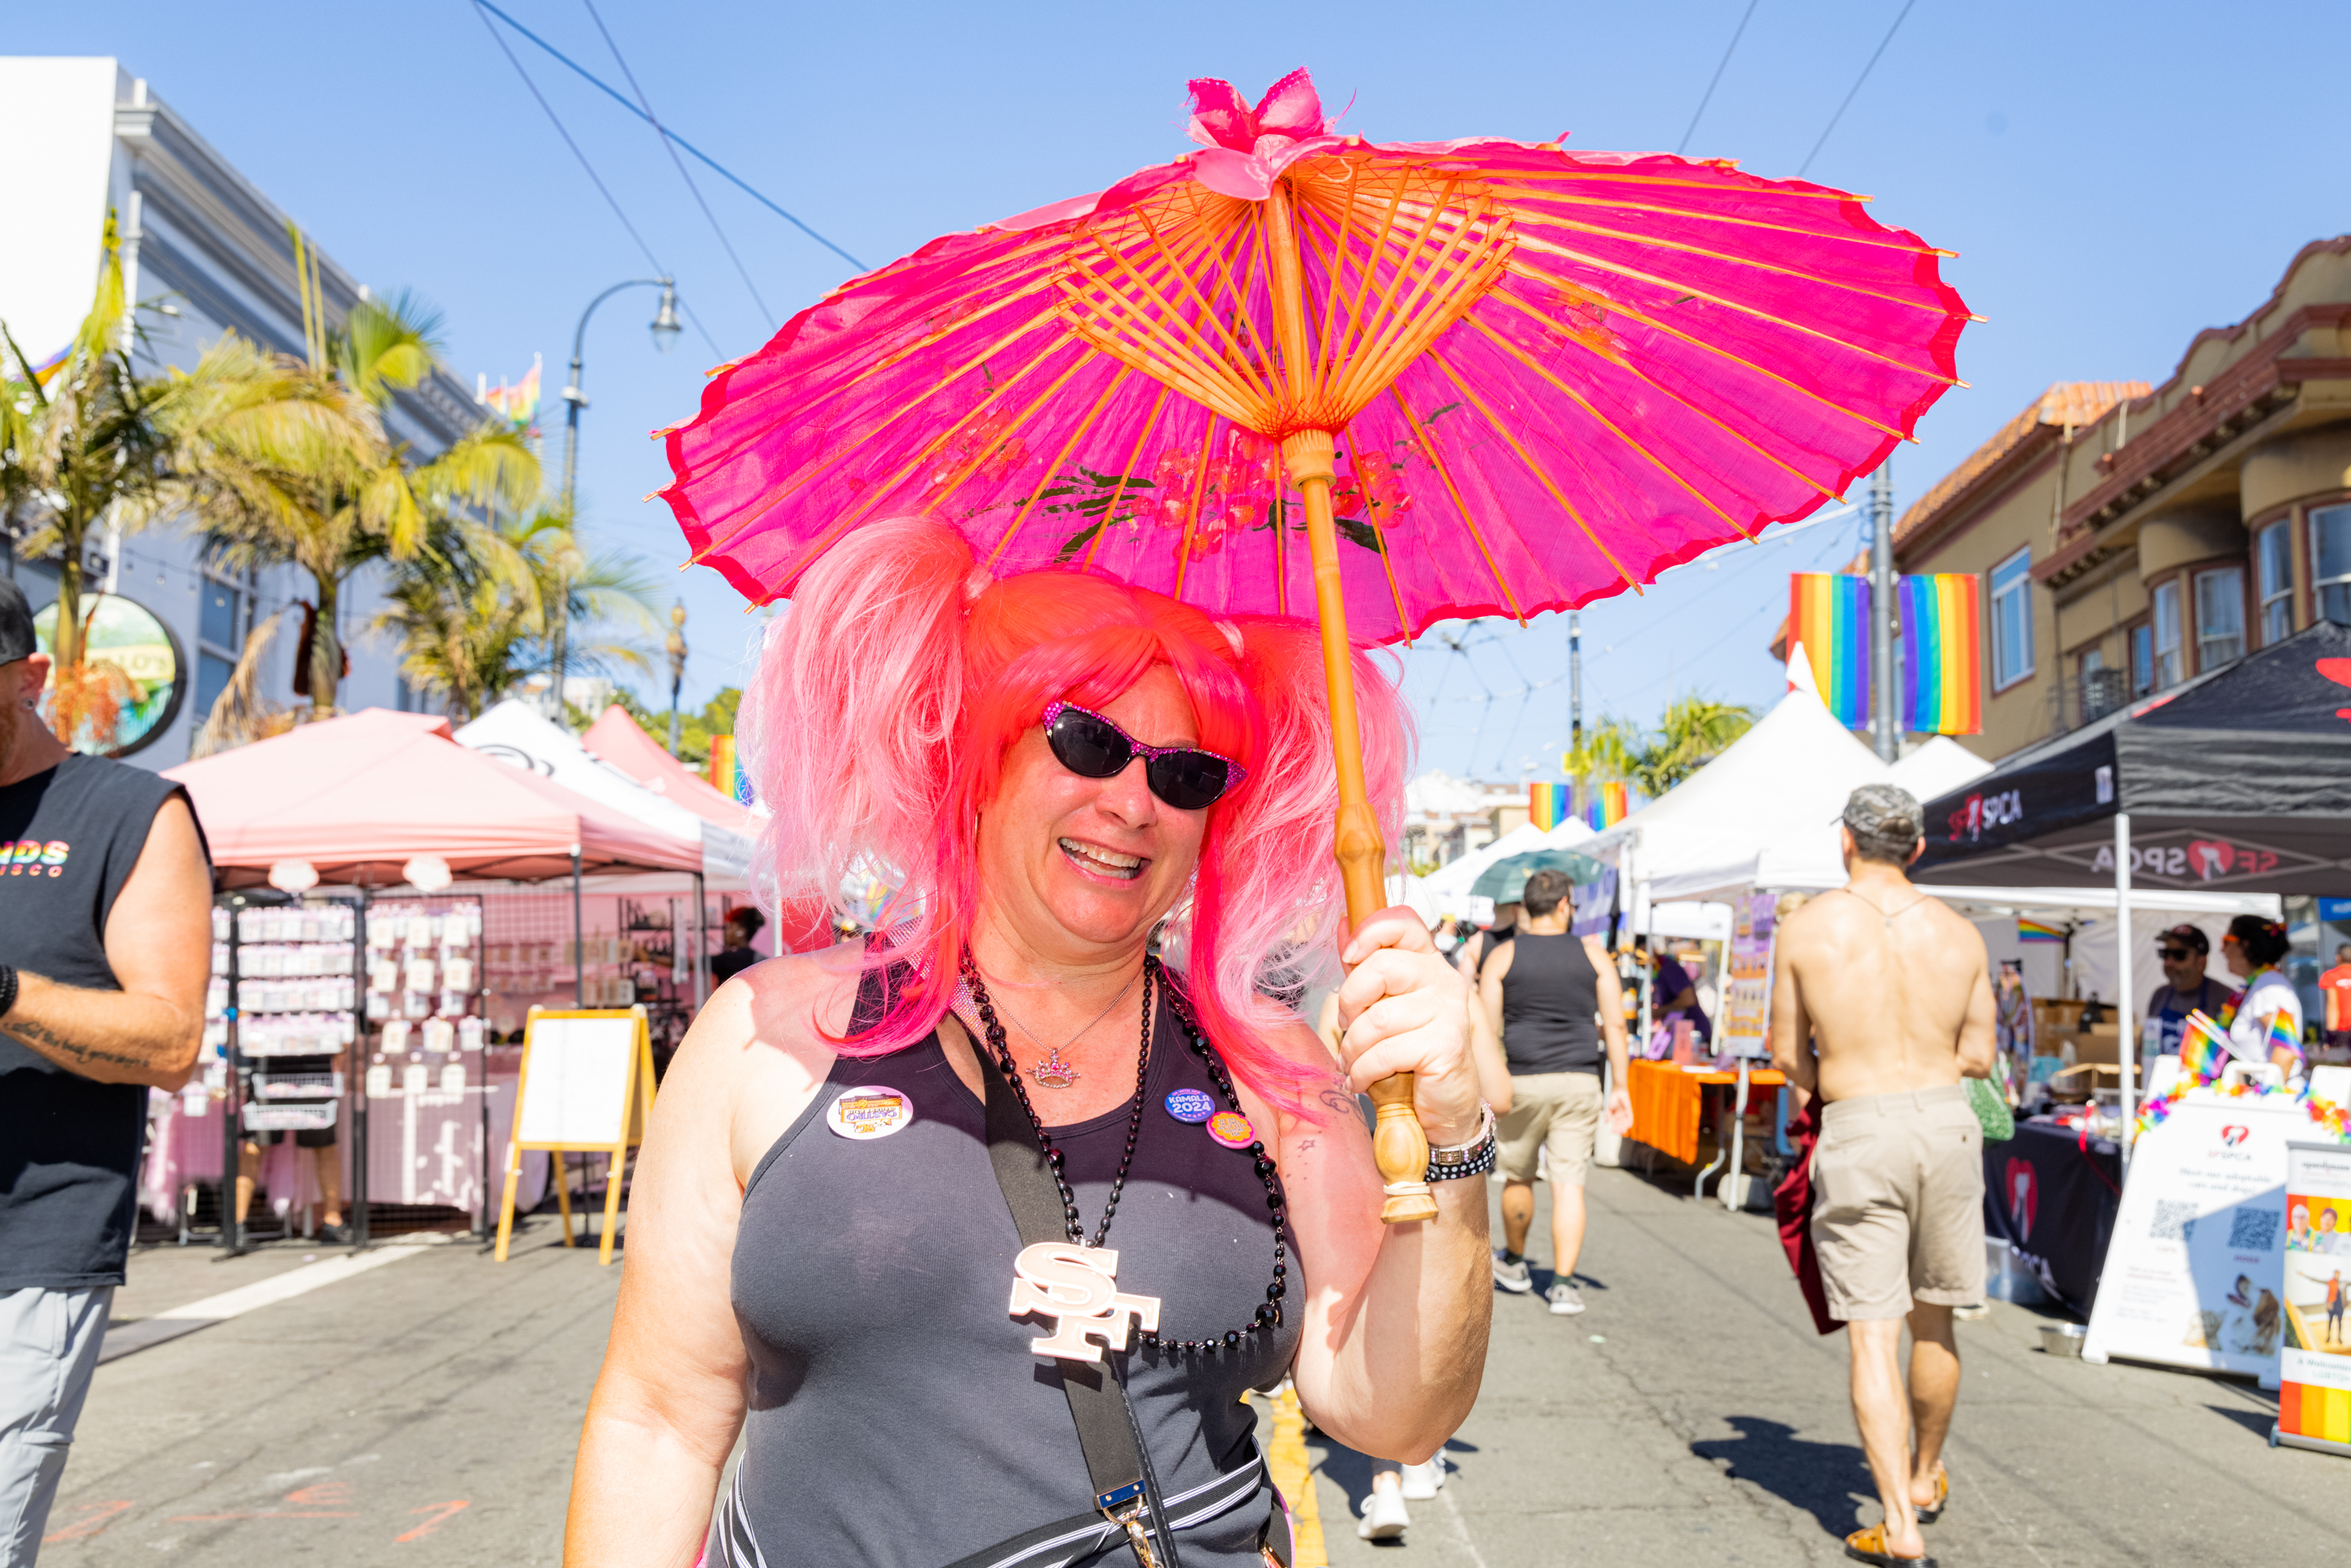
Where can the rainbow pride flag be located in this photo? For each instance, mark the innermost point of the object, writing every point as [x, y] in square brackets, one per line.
[726, 771]
[2203, 1049]
[1611, 804]
[1828, 612]
[1942, 654]
[1547, 805]
[2039, 930]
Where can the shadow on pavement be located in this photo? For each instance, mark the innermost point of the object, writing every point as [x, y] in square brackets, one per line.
[1826, 1481]
[2257, 1422]
[1350, 1470]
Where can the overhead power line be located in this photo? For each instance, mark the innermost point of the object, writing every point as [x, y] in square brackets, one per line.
[1737, 33]
[723, 172]
[594, 178]
[669, 146]
[1857, 87]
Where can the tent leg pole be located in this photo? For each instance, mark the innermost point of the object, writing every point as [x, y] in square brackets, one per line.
[2126, 1039]
[579, 941]
[357, 1086]
[701, 943]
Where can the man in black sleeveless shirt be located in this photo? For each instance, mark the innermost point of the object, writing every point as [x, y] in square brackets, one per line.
[1552, 996]
[105, 946]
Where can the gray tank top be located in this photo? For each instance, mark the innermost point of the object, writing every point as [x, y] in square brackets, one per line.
[898, 1417]
[1550, 998]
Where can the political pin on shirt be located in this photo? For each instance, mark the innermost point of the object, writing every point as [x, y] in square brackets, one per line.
[1190, 1105]
[1231, 1129]
[869, 1112]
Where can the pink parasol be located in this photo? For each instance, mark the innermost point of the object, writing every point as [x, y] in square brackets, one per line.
[1402, 381]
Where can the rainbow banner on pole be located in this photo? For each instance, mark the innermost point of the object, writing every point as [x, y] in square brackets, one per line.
[518, 401]
[1942, 654]
[1828, 613]
[726, 771]
[1611, 804]
[2038, 931]
[1547, 805]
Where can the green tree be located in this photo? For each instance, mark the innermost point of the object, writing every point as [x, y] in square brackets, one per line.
[474, 608]
[1691, 734]
[694, 730]
[80, 448]
[333, 494]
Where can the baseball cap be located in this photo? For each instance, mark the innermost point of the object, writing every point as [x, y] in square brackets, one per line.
[2192, 937]
[1884, 811]
[16, 639]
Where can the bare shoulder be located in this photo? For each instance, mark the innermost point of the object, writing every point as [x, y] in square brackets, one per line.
[759, 1050]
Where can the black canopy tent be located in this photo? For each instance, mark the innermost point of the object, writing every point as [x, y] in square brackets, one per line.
[2239, 780]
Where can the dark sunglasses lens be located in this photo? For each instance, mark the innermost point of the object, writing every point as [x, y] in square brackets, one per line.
[1188, 780]
[1087, 746]
[2175, 954]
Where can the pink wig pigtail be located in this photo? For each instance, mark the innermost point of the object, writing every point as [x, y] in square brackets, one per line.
[847, 731]
[1269, 904]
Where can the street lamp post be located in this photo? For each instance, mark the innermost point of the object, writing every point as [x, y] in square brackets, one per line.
[666, 328]
[676, 666]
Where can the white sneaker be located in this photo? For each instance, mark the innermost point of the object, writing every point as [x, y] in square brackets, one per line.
[1421, 1481]
[1566, 1300]
[1384, 1516]
[1514, 1277]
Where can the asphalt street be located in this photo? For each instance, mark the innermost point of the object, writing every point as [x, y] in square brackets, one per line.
[426, 1412]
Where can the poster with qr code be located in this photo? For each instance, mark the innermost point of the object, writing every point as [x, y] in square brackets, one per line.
[2314, 1356]
[2192, 1277]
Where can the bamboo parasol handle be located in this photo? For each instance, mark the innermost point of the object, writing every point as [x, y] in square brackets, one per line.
[1399, 1146]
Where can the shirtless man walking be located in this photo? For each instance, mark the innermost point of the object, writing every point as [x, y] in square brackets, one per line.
[1881, 1004]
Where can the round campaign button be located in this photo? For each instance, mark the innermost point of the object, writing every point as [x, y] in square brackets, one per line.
[870, 1111]
[1190, 1105]
[1231, 1129]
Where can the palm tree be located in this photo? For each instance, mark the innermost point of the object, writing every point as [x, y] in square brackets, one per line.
[336, 495]
[1693, 733]
[79, 447]
[479, 607]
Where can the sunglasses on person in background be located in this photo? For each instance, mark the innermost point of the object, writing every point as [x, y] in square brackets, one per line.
[2173, 955]
[1091, 747]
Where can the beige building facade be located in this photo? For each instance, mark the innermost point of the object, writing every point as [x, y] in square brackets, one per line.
[2127, 538]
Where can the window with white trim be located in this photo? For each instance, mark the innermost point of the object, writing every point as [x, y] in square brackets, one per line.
[2012, 619]
[222, 614]
[2330, 563]
[2142, 659]
[2170, 661]
[2274, 573]
[2220, 617]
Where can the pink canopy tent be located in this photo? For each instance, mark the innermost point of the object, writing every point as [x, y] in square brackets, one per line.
[620, 740]
[358, 796]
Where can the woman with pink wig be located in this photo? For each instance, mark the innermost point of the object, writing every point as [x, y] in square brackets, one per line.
[828, 1208]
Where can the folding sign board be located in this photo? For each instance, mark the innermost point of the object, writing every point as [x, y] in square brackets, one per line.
[586, 1087]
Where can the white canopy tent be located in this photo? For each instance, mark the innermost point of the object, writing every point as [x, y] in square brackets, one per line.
[524, 739]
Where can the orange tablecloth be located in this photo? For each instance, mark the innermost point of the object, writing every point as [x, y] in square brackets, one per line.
[1667, 1100]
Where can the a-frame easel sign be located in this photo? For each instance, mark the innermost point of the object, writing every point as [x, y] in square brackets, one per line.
[586, 1087]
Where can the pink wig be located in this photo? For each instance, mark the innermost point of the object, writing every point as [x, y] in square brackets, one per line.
[877, 727]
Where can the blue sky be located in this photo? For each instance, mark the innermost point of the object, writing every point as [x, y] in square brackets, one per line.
[2116, 176]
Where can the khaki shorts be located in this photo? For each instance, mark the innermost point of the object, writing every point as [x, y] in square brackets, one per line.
[1558, 1111]
[1897, 1206]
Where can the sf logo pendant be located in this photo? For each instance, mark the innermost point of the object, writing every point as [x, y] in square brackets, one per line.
[1077, 1287]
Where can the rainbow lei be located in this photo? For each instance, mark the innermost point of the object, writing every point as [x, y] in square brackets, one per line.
[2204, 1058]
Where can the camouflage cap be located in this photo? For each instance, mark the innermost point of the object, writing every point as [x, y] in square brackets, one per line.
[1885, 811]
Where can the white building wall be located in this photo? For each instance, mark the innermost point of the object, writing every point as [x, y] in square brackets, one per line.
[204, 252]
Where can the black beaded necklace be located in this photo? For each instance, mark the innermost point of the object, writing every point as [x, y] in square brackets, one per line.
[1154, 981]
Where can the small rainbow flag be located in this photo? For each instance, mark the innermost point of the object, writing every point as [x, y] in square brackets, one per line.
[2039, 930]
[726, 771]
[1611, 804]
[1828, 612]
[1942, 654]
[2203, 1049]
[1546, 805]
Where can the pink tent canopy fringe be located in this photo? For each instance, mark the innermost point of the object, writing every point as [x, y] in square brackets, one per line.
[360, 794]
[1549, 374]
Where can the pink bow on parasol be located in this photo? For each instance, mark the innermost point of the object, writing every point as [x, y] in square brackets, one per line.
[1412, 381]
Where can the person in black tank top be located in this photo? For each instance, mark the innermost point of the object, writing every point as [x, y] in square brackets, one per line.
[105, 947]
[978, 1237]
[1553, 995]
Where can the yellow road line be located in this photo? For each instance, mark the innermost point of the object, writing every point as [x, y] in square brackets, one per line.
[1293, 1472]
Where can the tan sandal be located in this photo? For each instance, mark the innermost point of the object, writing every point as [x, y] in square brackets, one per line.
[1929, 1512]
[1868, 1545]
